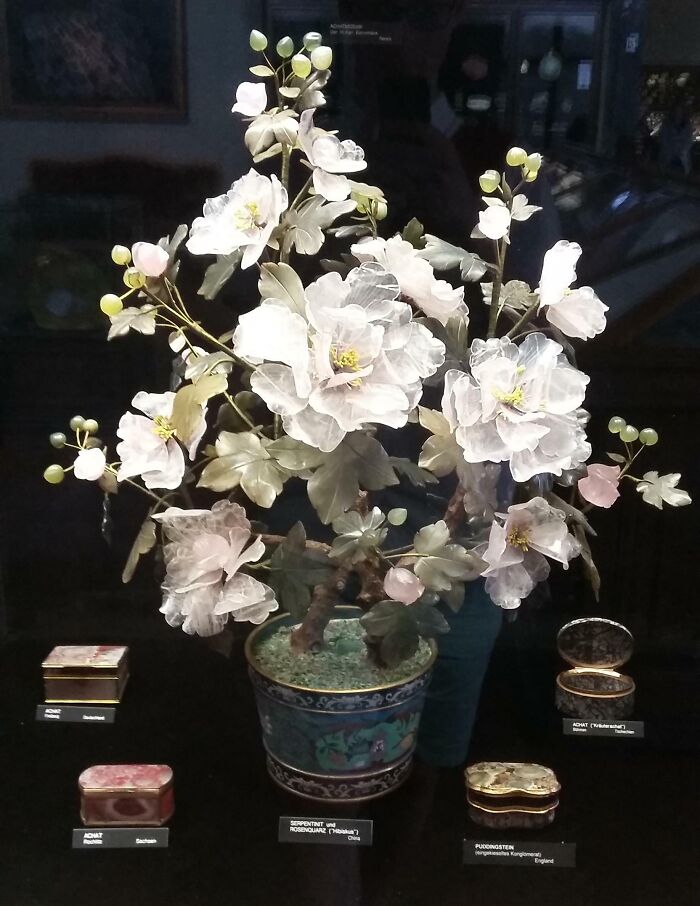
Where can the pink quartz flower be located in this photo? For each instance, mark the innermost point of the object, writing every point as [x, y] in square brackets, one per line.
[151, 260]
[204, 552]
[402, 585]
[599, 487]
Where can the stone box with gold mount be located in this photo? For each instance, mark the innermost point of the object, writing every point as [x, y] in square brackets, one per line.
[126, 795]
[592, 689]
[86, 674]
[505, 794]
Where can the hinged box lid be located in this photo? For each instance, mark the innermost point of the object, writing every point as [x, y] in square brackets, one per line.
[85, 660]
[595, 642]
[143, 779]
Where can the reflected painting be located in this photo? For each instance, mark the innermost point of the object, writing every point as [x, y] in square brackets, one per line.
[92, 59]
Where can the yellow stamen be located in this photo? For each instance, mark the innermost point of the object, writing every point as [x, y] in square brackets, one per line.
[514, 398]
[247, 216]
[163, 427]
[349, 360]
[518, 538]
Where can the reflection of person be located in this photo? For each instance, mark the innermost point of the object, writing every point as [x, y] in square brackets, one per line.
[676, 140]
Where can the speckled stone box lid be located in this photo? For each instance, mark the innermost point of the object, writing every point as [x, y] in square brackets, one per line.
[509, 778]
[85, 657]
[125, 777]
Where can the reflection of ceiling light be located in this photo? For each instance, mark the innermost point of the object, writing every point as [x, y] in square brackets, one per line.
[682, 79]
[619, 200]
[478, 103]
[549, 69]
[524, 67]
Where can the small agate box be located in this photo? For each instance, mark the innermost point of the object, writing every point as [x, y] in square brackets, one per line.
[90, 674]
[592, 689]
[126, 795]
[504, 794]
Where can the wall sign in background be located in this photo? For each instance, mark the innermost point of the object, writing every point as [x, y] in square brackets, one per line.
[80, 714]
[362, 32]
[121, 837]
[633, 729]
[490, 852]
[353, 831]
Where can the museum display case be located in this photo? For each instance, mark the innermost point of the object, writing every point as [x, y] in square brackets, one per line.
[374, 543]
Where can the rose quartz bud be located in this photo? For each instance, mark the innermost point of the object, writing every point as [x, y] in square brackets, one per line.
[402, 585]
[599, 487]
[149, 259]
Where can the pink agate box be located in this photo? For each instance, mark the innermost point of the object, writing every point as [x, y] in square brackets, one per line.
[126, 795]
[92, 674]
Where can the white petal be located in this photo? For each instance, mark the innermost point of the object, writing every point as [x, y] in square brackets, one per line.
[90, 464]
[558, 271]
[251, 98]
[333, 187]
[275, 384]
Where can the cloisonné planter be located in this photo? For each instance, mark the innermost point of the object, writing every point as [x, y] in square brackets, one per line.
[337, 745]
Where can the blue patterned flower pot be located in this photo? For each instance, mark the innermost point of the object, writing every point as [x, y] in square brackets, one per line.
[337, 745]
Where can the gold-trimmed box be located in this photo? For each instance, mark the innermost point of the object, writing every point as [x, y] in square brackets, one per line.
[85, 674]
[505, 794]
[592, 688]
[126, 795]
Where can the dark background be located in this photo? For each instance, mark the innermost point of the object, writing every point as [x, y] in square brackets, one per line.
[69, 191]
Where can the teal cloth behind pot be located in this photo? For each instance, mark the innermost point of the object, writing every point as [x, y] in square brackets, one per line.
[453, 695]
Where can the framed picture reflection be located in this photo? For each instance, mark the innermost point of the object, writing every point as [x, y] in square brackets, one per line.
[92, 59]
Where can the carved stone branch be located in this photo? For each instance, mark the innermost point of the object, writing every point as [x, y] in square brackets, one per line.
[308, 637]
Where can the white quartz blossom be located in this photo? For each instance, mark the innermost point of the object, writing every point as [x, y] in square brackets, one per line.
[243, 218]
[90, 464]
[204, 552]
[330, 158]
[659, 489]
[142, 320]
[518, 545]
[519, 404]
[417, 281]
[495, 219]
[149, 447]
[251, 98]
[352, 357]
[576, 312]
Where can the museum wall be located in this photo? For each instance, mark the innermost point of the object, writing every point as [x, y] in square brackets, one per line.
[214, 34]
[672, 34]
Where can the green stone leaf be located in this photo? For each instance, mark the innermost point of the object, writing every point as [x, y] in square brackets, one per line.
[280, 281]
[294, 455]
[294, 571]
[429, 621]
[454, 597]
[145, 540]
[263, 71]
[413, 233]
[359, 461]
[394, 626]
[187, 406]
[616, 457]
[243, 460]
[418, 476]
[357, 535]
[440, 455]
[442, 563]
[218, 274]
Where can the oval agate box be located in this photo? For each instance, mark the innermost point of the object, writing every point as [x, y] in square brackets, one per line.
[592, 689]
[503, 794]
[91, 674]
[126, 795]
